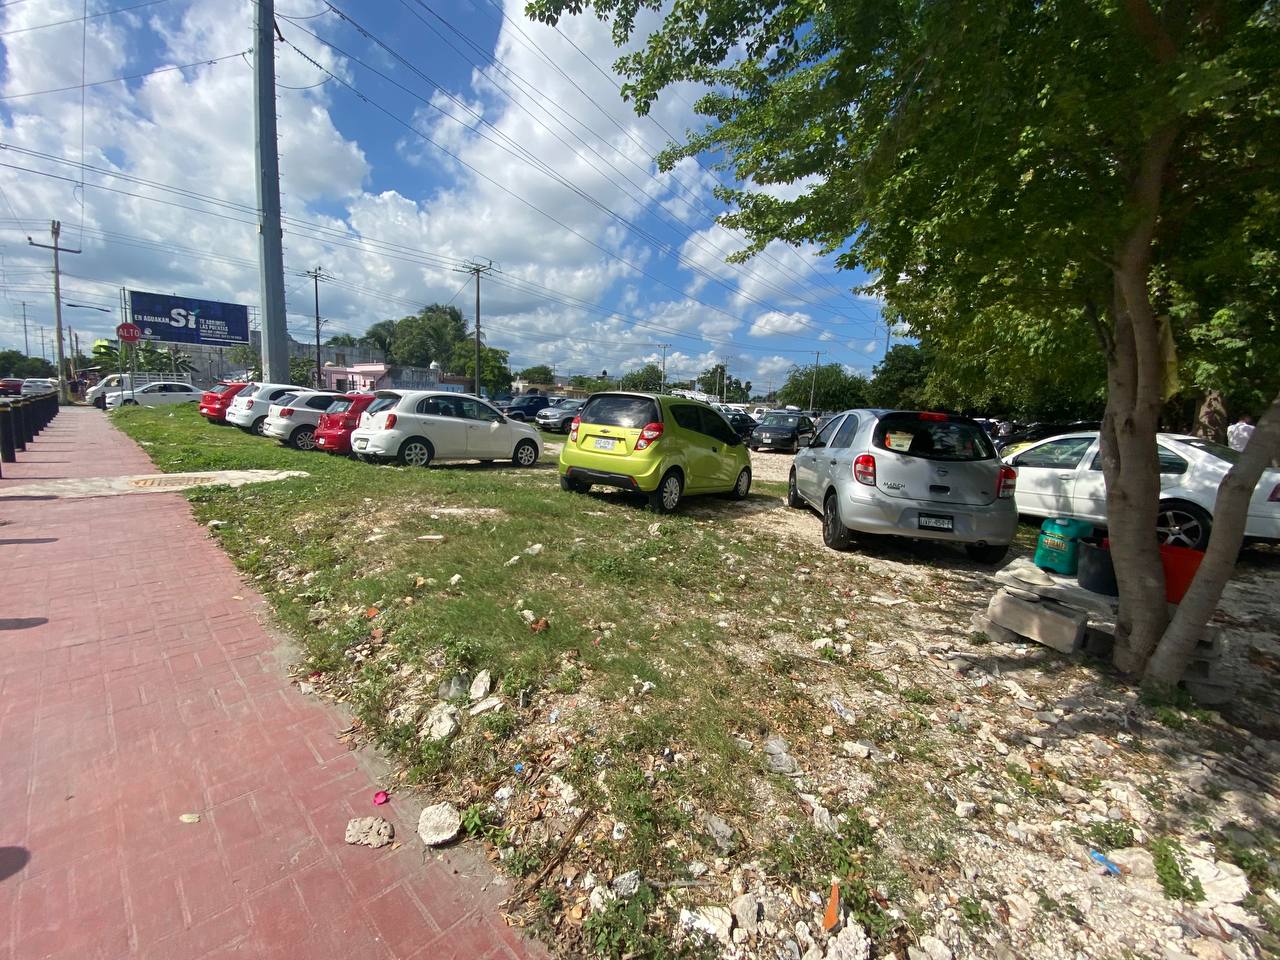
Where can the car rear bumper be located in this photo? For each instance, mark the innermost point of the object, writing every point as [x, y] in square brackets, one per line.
[612, 470]
[242, 418]
[277, 429]
[334, 441]
[213, 411]
[1262, 527]
[994, 523]
[381, 443]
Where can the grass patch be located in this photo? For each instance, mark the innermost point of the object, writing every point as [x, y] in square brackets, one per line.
[1171, 872]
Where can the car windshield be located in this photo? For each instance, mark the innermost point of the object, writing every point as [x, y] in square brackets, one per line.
[1211, 448]
[788, 420]
[617, 410]
[569, 404]
[955, 440]
[383, 402]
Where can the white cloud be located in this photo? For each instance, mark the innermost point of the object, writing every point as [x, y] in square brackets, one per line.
[775, 322]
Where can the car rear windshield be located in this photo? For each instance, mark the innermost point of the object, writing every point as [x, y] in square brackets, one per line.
[220, 388]
[617, 410]
[788, 420]
[383, 402]
[341, 405]
[1213, 449]
[932, 439]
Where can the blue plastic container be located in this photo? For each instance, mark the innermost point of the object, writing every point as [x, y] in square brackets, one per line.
[1059, 544]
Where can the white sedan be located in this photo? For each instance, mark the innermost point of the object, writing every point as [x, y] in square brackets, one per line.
[154, 395]
[292, 418]
[1062, 477]
[416, 427]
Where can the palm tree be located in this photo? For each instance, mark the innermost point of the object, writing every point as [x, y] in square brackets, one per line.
[380, 335]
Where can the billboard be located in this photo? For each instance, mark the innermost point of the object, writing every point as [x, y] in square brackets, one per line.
[187, 320]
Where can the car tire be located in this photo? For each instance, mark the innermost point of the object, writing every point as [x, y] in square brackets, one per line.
[415, 452]
[573, 486]
[667, 497]
[1182, 524]
[742, 487]
[834, 533]
[257, 427]
[988, 554]
[304, 438]
[526, 454]
[129, 403]
[794, 500]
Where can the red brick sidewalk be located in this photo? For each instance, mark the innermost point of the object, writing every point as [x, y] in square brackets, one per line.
[137, 684]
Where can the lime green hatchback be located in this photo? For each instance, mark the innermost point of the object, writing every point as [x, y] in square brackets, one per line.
[663, 447]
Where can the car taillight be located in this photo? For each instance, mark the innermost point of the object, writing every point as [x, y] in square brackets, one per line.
[929, 415]
[389, 422]
[1008, 481]
[573, 430]
[649, 435]
[287, 412]
[249, 405]
[864, 469]
[1275, 494]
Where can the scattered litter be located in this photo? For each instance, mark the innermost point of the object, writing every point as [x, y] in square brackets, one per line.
[540, 625]
[528, 616]
[518, 768]
[369, 832]
[380, 798]
[432, 538]
[512, 562]
[439, 824]
[215, 524]
[189, 818]
[832, 916]
[1105, 865]
[619, 830]
[371, 612]
[842, 711]
[455, 580]
[534, 550]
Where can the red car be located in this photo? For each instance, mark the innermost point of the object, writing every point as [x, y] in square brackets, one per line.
[215, 400]
[333, 432]
[11, 387]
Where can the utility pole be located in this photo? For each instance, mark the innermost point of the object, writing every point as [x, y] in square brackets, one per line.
[275, 343]
[26, 344]
[55, 228]
[317, 275]
[44, 354]
[817, 355]
[665, 347]
[888, 334]
[477, 269]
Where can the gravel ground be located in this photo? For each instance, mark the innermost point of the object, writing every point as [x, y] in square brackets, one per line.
[771, 466]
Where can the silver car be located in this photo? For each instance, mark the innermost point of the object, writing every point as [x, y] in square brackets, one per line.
[927, 476]
[559, 415]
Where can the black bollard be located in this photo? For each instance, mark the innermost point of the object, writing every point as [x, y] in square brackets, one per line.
[8, 451]
[24, 411]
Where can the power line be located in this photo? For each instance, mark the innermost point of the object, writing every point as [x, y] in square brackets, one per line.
[85, 18]
[134, 76]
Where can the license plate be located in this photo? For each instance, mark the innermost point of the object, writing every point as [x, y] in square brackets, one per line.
[768, 440]
[319, 441]
[361, 444]
[935, 522]
[604, 443]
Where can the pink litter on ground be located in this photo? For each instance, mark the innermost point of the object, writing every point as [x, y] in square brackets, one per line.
[380, 798]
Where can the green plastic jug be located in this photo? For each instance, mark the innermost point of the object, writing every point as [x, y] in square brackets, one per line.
[1058, 546]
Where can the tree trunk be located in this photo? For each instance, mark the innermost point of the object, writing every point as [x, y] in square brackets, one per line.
[1211, 417]
[1135, 396]
[1230, 513]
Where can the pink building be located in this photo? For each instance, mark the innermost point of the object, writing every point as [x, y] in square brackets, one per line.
[368, 377]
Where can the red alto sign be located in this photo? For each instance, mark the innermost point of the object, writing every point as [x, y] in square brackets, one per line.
[129, 332]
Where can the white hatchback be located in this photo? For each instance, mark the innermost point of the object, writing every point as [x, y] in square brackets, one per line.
[249, 409]
[1062, 477]
[292, 418]
[154, 395]
[416, 427]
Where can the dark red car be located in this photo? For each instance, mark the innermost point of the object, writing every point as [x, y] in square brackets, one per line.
[333, 432]
[11, 387]
[215, 400]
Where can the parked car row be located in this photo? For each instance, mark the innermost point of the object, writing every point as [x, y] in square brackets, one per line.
[411, 427]
[28, 387]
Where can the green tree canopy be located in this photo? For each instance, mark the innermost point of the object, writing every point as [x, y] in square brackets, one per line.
[648, 379]
[14, 363]
[495, 374]
[430, 335]
[1012, 164]
[342, 340]
[538, 373]
[830, 384]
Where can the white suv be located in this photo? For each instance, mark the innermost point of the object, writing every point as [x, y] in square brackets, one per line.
[249, 409]
[418, 426]
[292, 419]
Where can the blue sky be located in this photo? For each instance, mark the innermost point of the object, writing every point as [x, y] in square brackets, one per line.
[480, 135]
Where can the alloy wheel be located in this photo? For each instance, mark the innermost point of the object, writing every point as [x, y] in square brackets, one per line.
[670, 492]
[1179, 528]
[416, 454]
[305, 440]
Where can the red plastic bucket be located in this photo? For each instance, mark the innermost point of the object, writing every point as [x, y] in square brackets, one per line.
[1180, 566]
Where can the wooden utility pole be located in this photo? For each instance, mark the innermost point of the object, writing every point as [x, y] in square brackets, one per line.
[55, 228]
